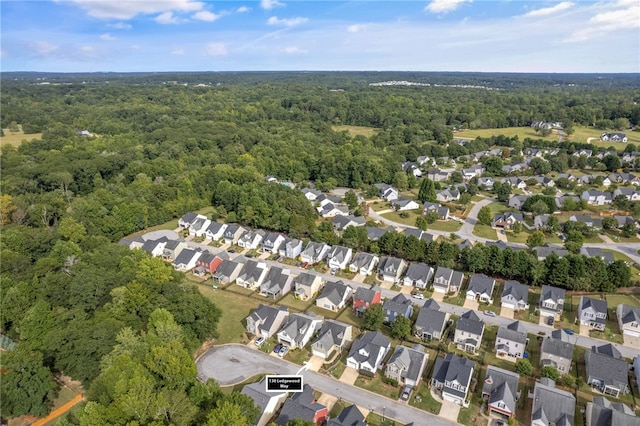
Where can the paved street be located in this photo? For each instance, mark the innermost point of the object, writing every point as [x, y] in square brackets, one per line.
[232, 364]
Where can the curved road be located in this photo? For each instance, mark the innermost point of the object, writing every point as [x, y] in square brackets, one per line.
[232, 364]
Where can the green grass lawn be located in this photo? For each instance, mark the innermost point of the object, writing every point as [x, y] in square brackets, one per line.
[356, 130]
[616, 236]
[522, 237]
[323, 312]
[295, 304]
[16, 138]
[422, 399]
[445, 225]
[409, 220]
[377, 385]
[613, 300]
[298, 356]
[484, 231]
[379, 205]
[376, 419]
[348, 317]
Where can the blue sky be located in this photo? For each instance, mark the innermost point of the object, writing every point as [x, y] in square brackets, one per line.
[435, 35]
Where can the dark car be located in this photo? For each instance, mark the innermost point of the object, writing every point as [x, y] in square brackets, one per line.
[277, 348]
[550, 320]
[406, 392]
[569, 331]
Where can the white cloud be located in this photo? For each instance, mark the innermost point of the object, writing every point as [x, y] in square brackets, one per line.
[286, 22]
[177, 52]
[205, 15]
[113, 9]
[624, 16]
[270, 4]
[356, 28]
[445, 6]
[166, 18]
[216, 49]
[119, 26]
[42, 48]
[243, 9]
[546, 11]
[294, 50]
[107, 37]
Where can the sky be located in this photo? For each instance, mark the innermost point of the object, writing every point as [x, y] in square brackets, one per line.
[433, 35]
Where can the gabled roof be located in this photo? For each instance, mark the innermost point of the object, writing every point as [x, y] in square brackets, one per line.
[306, 279]
[298, 324]
[362, 259]
[339, 252]
[555, 345]
[366, 294]
[276, 279]
[501, 385]
[453, 367]
[266, 315]
[519, 291]
[389, 265]
[552, 293]
[252, 270]
[408, 359]
[375, 234]
[471, 323]
[596, 304]
[551, 405]
[370, 344]
[514, 332]
[301, 405]
[430, 319]
[398, 304]
[613, 371]
[189, 217]
[419, 271]
[335, 291]
[185, 256]
[481, 284]
[331, 334]
[227, 267]
[629, 314]
[603, 412]
[350, 416]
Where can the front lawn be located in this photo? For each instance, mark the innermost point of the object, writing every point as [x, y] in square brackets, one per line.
[298, 356]
[423, 400]
[485, 231]
[377, 385]
[410, 218]
[445, 226]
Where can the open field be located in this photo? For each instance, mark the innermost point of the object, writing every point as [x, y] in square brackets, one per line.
[484, 231]
[356, 130]
[16, 138]
[410, 220]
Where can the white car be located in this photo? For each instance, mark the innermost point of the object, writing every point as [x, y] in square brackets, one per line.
[418, 296]
[259, 341]
[490, 313]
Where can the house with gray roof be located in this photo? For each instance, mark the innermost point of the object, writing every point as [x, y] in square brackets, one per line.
[447, 195]
[303, 406]
[374, 233]
[172, 249]
[556, 351]
[368, 351]
[251, 240]
[340, 223]
[452, 377]
[215, 231]
[515, 295]
[399, 305]
[441, 211]
[349, 416]
[506, 220]
[602, 412]
[607, 257]
[511, 341]
[307, 285]
[500, 390]
[596, 198]
[431, 323]
[592, 313]
[447, 280]
[266, 320]
[365, 297]
[339, 257]
[544, 252]
[335, 296]
[469, 331]
[233, 233]
[390, 268]
[606, 370]
[290, 248]
[552, 406]
[229, 270]
[278, 282]
[418, 275]
[517, 201]
[334, 336]
[551, 302]
[387, 192]
[252, 275]
[199, 226]
[314, 252]
[311, 194]
[267, 402]
[187, 259]
[272, 242]
[406, 365]
[298, 329]
[480, 288]
[628, 320]
[363, 263]
[155, 247]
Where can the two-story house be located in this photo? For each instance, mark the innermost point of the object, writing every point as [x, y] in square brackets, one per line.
[390, 268]
[215, 231]
[252, 275]
[334, 336]
[334, 296]
[606, 370]
[210, 262]
[363, 263]
[447, 280]
[229, 270]
[251, 240]
[628, 320]
[431, 323]
[339, 257]
[399, 305]
[303, 406]
[290, 248]
[278, 282]
[266, 320]
[155, 247]
[506, 220]
[199, 226]
[340, 223]
[267, 402]
[387, 192]
[406, 365]
[592, 313]
[556, 351]
[602, 412]
[186, 220]
[500, 390]
[314, 252]
[233, 233]
[452, 377]
[515, 295]
[596, 198]
[272, 242]
[469, 331]
[349, 416]
[511, 341]
[441, 211]
[307, 285]
[551, 301]
[368, 352]
[552, 406]
[187, 259]
[298, 329]
[480, 288]
[418, 275]
[365, 297]
[172, 249]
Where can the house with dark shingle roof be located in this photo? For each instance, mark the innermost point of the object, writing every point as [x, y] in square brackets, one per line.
[606, 370]
[602, 412]
[335, 296]
[606, 256]
[187, 259]
[500, 390]
[215, 231]
[303, 406]
[290, 248]
[272, 242]
[339, 257]
[480, 288]
[314, 252]
[469, 331]
[155, 247]
[363, 263]
[406, 365]
[333, 336]
[556, 351]
[368, 351]
[447, 280]
[628, 320]
[551, 301]
[515, 295]
[552, 406]
[349, 416]
[399, 305]
[365, 297]
[592, 313]
[298, 329]
[229, 270]
[307, 285]
[233, 233]
[390, 268]
[266, 320]
[186, 220]
[431, 323]
[511, 341]
[172, 249]
[277, 283]
[267, 402]
[418, 275]
[252, 275]
[452, 377]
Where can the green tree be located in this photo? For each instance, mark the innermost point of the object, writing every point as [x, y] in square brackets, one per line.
[517, 228]
[629, 230]
[574, 241]
[400, 181]
[612, 162]
[484, 216]
[619, 274]
[536, 239]
[550, 372]
[373, 317]
[421, 223]
[401, 327]
[524, 367]
[539, 208]
[609, 222]
[351, 199]
[427, 191]
[229, 414]
[493, 165]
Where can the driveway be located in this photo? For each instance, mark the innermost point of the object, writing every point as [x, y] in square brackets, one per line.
[315, 362]
[449, 410]
[438, 297]
[506, 312]
[349, 376]
[501, 237]
[633, 342]
[584, 330]
[470, 304]
[359, 278]
[233, 364]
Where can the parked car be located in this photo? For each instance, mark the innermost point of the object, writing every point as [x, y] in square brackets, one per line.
[333, 271]
[279, 346]
[304, 264]
[569, 331]
[550, 320]
[406, 392]
[490, 313]
[418, 296]
[231, 251]
[283, 350]
[259, 341]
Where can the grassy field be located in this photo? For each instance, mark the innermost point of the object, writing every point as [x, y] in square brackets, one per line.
[484, 231]
[16, 138]
[356, 130]
[445, 225]
[410, 220]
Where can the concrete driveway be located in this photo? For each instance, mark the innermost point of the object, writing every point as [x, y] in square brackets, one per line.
[359, 278]
[631, 341]
[449, 410]
[438, 297]
[315, 362]
[584, 330]
[506, 312]
[470, 304]
[349, 376]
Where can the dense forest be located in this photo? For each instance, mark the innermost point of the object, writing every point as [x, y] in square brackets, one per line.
[78, 303]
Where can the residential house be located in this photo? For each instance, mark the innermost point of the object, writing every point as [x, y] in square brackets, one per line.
[447, 195]
[544, 181]
[252, 275]
[418, 275]
[340, 223]
[329, 209]
[624, 178]
[517, 201]
[418, 234]
[363, 263]
[374, 234]
[314, 252]
[613, 137]
[606, 370]
[563, 198]
[541, 221]
[272, 242]
[502, 245]
[511, 341]
[365, 297]
[506, 220]
[628, 320]
[556, 351]
[172, 249]
[307, 285]
[251, 240]
[311, 194]
[546, 251]
[199, 226]
[210, 262]
[278, 282]
[339, 257]
[387, 192]
[623, 220]
[402, 204]
[334, 336]
[187, 259]
[390, 268]
[399, 305]
[602, 412]
[438, 175]
[290, 248]
[368, 351]
[134, 243]
[480, 288]
[431, 323]
[155, 247]
[514, 182]
[266, 320]
[406, 365]
[233, 233]
[500, 390]
[440, 210]
[514, 168]
[186, 220]
[583, 152]
[447, 280]
[592, 313]
[349, 416]
[411, 167]
[215, 231]
[298, 329]
[469, 331]
[334, 296]
[515, 295]
[551, 301]
[552, 406]
[229, 270]
[452, 377]
[593, 222]
[267, 402]
[606, 256]
[303, 406]
[632, 194]
[597, 198]
[486, 183]
[475, 170]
